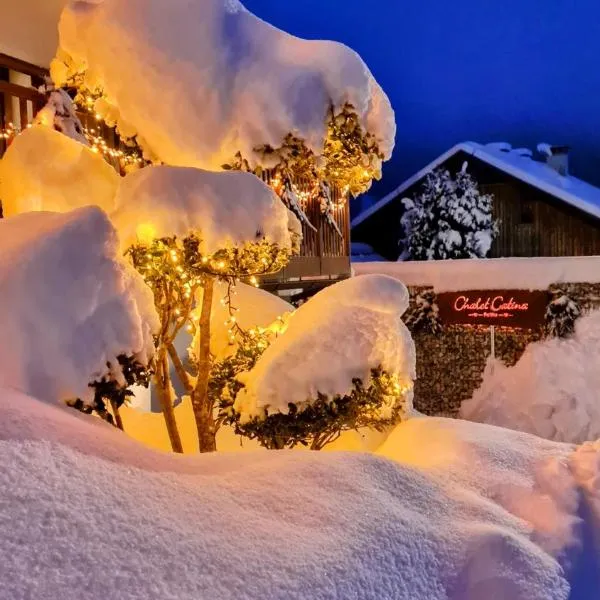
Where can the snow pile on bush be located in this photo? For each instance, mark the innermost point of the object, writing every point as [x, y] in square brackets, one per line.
[46, 170]
[340, 334]
[69, 303]
[553, 391]
[226, 208]
[360, 526]
[199, 81]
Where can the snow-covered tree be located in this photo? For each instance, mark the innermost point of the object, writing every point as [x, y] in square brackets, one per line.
[344, 360]
[185, 230]
[449, 219]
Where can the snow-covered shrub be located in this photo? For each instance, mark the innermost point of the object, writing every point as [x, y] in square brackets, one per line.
[73, 313]
[553, 391]
[344, 360]
[561, 315]
[449, 219]
[185, 230]
[43, 169]
[423, 314]
[237, 82]
[59, 114]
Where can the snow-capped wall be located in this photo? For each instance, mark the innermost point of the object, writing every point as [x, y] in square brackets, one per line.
[199, 81]
[490, 273]
[69, 303]
[226, 208]
[47, 170]
[340, 334]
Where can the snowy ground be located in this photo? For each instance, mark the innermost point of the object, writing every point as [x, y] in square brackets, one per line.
[463, 511]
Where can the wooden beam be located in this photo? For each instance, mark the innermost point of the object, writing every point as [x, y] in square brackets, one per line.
[19, 91]
[21, 66]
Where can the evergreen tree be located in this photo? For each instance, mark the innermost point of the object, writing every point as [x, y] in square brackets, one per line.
[450, 218]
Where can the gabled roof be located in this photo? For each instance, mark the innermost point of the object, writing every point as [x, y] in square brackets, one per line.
[519, 164]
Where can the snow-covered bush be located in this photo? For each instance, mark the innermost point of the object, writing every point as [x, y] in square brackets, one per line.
[344, 360]
[237, 82]
[449, 219]
[44, 169]
[423, 314]
[185, 230]
[561, 315]
[74, 317]
[553, 391]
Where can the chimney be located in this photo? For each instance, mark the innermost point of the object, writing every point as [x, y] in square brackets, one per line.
[558, 158]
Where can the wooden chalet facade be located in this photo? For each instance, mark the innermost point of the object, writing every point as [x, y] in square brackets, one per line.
[541, 210]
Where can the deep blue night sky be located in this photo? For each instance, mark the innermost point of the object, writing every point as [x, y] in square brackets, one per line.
[520, 71]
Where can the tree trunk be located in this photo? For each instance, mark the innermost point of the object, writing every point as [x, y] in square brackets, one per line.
[203, 409]
[207, 431]
[180, 369]
[161, 380]
[117, 415]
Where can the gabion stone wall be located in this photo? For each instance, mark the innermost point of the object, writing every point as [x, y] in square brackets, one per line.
[451, 359]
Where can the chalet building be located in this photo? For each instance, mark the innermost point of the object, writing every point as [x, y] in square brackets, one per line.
[28, 40]
[542, 210]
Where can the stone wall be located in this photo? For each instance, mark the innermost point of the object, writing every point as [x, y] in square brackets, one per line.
[451, 360]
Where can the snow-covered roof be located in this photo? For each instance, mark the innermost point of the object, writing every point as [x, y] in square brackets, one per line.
[515, 162]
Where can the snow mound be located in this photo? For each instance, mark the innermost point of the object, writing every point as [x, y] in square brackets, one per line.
[226, 80]
[226, 208]
[553, 391]
[46, 170]
[267, 525]
[342, 333]
[69, 303]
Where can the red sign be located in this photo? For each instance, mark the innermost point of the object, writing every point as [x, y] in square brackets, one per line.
[519, 309]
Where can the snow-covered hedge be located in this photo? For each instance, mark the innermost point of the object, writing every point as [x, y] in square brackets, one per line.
[44, 169]
[553, 391]
[197, 82]
[69, 304]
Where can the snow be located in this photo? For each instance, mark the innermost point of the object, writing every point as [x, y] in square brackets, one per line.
[29, 30]
[476, 516]
[69, 303]
[252, 308]
[342, 333]
[553, 391]
[200, 81]
[226, 208]
[489, 274]
[46, 170]
[569, 189]
[362, 252]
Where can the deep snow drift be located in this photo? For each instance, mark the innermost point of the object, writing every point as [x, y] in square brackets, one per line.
[226, 208]
[68, 303]
[553, 391]
[199, 81]
[341, 333]
[47, 170]
[81, 500]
